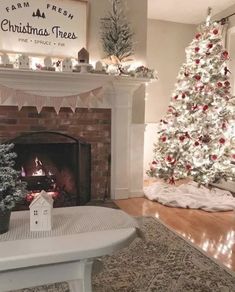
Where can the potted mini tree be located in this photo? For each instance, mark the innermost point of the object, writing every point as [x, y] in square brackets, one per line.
[12, 189]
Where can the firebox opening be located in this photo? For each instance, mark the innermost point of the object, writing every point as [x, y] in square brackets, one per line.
[56, 163]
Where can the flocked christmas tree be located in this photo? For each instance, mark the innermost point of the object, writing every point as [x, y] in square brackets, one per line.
[12, 190]
[195, 137]
[116, 34]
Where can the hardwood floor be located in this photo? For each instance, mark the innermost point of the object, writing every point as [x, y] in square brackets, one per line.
[212, 232]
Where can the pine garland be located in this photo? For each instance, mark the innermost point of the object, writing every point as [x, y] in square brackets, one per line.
[12, 190]
[116, 34]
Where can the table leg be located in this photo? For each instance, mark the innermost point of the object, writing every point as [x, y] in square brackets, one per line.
[83, 284]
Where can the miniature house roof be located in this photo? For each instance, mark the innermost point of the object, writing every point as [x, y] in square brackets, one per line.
[43, 199]
[83, 56]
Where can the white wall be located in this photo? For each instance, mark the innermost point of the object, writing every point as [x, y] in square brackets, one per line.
[166, 43]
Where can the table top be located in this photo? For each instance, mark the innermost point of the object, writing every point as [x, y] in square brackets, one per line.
[77, 233]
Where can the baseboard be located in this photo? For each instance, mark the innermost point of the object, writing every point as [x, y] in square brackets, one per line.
[136, 194]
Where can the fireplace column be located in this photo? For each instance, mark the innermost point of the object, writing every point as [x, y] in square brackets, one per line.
[126, 164]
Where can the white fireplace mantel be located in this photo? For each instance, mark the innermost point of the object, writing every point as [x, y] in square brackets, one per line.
[49, 83]
[127, 139]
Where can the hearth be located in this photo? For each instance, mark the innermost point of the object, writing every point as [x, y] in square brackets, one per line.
[56, 163]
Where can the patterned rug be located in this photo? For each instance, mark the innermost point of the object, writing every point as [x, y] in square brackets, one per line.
[160, 262]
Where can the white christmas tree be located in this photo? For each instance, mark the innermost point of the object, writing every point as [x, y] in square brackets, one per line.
[196, 138]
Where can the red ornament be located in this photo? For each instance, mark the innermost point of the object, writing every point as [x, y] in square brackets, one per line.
[197, 49]
[169, 158]
[215, 31]
[233, 156]
[219, 84]
[188, 167]
[197, 77]
[172, 181]
[182, 138]
[226, 71]
[227, 83]
[205, 107]
[224, 126]
[187, 135]
[214, 157]
[197, 61]
[183, 95]
[196, 143]
[176, 96]
[197, 36]
[222, 140]
[163, 139]
[225, 54]
[209, 46]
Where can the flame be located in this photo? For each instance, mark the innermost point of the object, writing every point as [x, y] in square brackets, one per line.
[39, 170]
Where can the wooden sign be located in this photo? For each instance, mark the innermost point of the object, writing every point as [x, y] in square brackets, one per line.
[45, 27]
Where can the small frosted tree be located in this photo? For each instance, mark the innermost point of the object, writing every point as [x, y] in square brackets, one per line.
[196, 137]
[12, 190]
[116, 34]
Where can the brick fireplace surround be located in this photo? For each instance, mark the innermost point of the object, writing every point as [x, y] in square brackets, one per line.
[92, 125]
[106, 124]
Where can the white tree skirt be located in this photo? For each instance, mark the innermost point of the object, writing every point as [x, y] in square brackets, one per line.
[190, 196]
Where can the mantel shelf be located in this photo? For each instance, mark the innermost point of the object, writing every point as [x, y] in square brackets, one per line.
[19, 74]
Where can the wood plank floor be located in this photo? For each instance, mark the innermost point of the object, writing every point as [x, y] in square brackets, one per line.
[212, 232]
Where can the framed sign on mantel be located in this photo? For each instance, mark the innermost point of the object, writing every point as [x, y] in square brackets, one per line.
[43, 27]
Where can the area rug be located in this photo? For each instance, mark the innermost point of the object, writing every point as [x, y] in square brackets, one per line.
[160, 261]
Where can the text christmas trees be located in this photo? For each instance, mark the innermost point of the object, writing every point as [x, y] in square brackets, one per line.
[195, 137]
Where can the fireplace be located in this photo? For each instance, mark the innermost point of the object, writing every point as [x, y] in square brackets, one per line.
[56, 163]
[113, 122]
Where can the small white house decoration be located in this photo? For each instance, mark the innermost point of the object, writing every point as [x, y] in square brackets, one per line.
[5, 61]
[67, 65]
[41, 212]
[23, 61]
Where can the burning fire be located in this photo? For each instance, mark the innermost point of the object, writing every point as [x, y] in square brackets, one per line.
[40, 171]
[39, 168]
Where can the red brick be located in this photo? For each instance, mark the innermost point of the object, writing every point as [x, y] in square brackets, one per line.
[90, 125]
